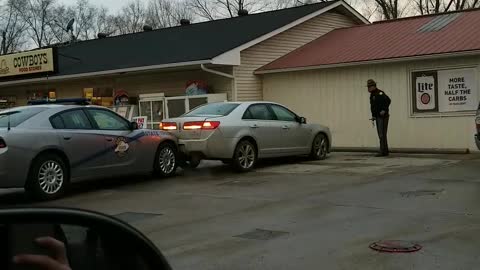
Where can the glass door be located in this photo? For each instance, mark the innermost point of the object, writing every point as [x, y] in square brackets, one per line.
[145, 109]
[157, 113]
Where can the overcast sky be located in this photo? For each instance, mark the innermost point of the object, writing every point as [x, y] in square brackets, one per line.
[113, 5]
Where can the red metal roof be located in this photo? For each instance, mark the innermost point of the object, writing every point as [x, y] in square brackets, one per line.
[385, 40]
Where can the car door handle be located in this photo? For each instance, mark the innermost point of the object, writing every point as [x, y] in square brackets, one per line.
[286, 127]
[67, 138]
[109, 139]
[254, 126]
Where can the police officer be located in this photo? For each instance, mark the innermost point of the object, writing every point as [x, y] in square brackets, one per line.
[379, 105]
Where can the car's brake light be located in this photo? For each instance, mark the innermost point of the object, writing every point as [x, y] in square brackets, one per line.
[2, 143]
[206, 125]
[168, 126]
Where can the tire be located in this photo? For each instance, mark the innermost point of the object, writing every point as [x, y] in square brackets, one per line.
[166, 161]
[319, 147]
[193, 163]
[48, 178]
[245, 156]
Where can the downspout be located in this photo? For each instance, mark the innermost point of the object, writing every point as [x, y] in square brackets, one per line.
[219, 73]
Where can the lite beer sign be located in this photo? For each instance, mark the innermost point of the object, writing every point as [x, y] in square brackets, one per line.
[425, 89]
[448, 90]
[37, 61]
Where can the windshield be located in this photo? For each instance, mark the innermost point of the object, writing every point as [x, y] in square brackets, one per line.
[217, 109]
[18, 116]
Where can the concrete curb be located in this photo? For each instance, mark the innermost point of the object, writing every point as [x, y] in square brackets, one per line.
[448, 151]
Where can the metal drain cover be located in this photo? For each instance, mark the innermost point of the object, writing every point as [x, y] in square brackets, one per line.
[259, 234]
[395, 246]
[131, 217]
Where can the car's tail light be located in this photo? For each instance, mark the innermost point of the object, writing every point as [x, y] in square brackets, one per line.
[168, 126]
[204, 125]
[3, 144]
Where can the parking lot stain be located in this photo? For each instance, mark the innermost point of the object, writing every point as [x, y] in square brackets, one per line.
[418, 193]
[260, 234]
[242, 183]
[132, 217]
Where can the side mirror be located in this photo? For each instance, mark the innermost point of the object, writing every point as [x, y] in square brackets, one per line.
[133, 125]
[65, 237]
[302, 120]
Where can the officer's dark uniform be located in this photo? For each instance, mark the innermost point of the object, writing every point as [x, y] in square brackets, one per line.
[379, 101]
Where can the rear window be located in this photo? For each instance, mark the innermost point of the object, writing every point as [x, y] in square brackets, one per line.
[18, 116]
[214, 109]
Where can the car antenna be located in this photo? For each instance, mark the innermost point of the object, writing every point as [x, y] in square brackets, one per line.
[9, 125]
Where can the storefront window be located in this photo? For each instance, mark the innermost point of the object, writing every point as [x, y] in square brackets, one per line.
[102, 96]
[41, 94]
[7, 102]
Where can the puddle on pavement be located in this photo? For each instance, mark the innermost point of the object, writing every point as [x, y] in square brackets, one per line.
[259, 234]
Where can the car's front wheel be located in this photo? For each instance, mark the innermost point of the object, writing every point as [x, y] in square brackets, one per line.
[166, 160]
[245, 156]
[319, 147]
[48, 177]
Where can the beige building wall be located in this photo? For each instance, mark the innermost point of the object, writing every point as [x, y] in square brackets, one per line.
[249, 85]
[170, 83]
[339, 99]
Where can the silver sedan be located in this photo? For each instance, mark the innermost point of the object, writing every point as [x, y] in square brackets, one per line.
[44, 148]
[242, 132]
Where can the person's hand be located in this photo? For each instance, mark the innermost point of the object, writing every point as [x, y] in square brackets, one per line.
[58, 260]
[382, 113]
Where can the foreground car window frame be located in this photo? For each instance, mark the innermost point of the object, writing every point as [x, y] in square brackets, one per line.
[252, 117]
[295, 116]
[64, 126]
[89, 112]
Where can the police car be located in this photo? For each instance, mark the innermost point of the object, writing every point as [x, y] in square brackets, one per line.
[51, 144]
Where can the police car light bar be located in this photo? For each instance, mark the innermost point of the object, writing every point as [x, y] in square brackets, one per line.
[64, 101]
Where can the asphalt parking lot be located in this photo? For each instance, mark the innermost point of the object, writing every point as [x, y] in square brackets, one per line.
[299, 214]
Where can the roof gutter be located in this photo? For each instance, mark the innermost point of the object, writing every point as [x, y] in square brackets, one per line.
[104, 73]
[371, 62]
[226, 75]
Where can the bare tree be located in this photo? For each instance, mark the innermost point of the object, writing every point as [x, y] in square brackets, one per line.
[166, 13]
[204, 9]
[85, 16]
[104, 22]
[131, 19]
[11, 29]
[439, 6]
[57, 26]
[214, 9]
[230, 8]
[37, 15]
[389, 8]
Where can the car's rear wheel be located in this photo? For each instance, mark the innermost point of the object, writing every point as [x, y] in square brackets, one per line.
[245, 156]
[48, 177]
[319, 147]
[166, 160]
